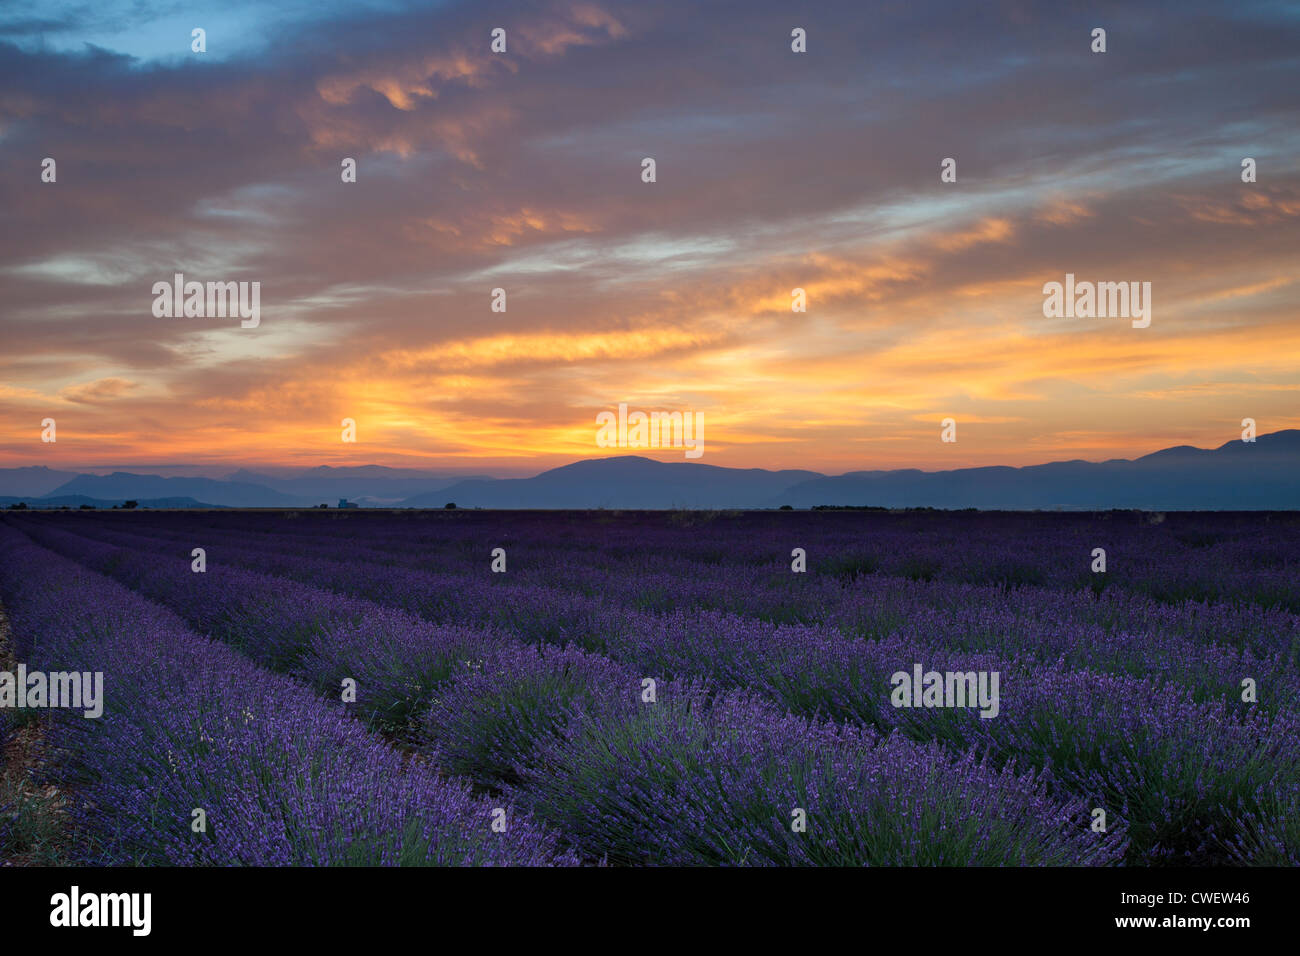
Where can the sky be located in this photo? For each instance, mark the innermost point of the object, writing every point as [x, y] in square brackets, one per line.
[775, 170]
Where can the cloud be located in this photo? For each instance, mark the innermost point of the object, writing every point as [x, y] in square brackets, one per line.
[97, 392]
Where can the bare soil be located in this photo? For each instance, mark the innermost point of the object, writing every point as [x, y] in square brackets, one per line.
[24, 755]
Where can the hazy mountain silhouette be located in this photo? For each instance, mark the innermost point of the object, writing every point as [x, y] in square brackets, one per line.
[626, 481]
[366, 484]
[33, 480]
[76, 501]
[122, 485]
[1264, 474]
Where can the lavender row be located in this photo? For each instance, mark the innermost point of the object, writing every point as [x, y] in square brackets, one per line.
[864, 606]
[988, 817]
[1124, 635]
[1230, 759]
[202, 758]
[320, 637]
[729, 780]
[1231, 558]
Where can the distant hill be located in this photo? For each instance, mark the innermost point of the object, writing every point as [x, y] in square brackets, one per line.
[1263, 475]
[32, 481]
[367, 484]
[626, 481]
[76, 501]
[123, 485]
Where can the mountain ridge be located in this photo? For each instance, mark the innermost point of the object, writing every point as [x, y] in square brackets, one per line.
[1263, 475]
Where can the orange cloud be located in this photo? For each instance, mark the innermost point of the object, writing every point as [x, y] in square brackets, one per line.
[988, 230]
[98, 391]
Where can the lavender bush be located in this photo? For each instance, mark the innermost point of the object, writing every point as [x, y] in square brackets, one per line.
[699, 780]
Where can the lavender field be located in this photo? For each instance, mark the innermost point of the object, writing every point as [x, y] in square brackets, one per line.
[663, 688]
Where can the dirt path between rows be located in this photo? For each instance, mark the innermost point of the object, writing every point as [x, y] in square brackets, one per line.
[33, 828]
